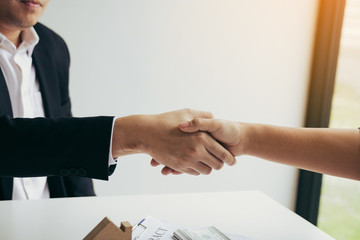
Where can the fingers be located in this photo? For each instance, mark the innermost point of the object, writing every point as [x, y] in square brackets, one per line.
[154, 163]
[209, 155]
[205, 168]
[196, 153]
[201, 168]
[220, 153]
[166, 171]
[216, 155]
[192, 172]
[211, 161]
[220, 130]
[200, 124]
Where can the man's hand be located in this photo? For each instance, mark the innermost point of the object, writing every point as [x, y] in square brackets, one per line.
[228, 133]
[160, 137]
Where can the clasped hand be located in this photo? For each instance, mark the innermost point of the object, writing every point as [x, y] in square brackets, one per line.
[159, 136]
[229, 134]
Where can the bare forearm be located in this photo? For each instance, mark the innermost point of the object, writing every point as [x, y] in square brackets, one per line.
[329, 151]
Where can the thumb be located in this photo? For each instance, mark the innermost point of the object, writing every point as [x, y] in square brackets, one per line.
[200, 124]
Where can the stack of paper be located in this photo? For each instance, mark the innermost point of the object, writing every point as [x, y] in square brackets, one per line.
[156, 229]
[207, 233]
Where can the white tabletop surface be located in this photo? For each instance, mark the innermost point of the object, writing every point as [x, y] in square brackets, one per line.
[248, 213]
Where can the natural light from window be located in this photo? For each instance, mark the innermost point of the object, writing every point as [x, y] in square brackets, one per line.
[339, 213]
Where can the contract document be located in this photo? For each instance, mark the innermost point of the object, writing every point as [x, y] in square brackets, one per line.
[151, 228]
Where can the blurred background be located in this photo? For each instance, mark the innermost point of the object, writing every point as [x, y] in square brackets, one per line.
[242, 60]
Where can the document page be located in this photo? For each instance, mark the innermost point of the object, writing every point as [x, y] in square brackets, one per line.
[151, 228]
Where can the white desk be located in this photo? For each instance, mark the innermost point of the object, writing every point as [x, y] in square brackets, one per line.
[250, 213]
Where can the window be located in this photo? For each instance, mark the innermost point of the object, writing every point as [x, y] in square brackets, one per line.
[339, 212]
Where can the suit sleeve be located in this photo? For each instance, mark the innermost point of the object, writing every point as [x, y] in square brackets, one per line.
[55, 146]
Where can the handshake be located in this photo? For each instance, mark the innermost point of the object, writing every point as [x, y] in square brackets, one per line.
[193, 142]
[183, 141]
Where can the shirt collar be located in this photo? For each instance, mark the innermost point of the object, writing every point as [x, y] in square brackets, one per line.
[29, 40]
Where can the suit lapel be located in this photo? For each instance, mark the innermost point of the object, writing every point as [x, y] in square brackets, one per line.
[46, 75]
[6, 183]
[5, 104]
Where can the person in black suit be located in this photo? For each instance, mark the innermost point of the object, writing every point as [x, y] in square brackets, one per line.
[68, 150]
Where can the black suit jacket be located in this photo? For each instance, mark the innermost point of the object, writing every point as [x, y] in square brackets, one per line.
[68, 150]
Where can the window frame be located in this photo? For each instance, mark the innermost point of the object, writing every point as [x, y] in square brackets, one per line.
[320, 93]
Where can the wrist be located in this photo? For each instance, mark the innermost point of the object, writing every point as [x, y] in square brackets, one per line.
[256, 138]
[127, 135]
[246, 130]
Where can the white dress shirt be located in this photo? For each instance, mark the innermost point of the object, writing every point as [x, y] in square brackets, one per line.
[19, 73]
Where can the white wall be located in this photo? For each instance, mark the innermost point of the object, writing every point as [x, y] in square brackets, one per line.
[245, 60]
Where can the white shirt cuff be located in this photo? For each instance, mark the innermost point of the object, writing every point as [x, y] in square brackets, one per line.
[112, 161]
